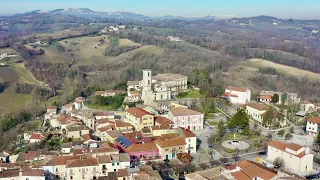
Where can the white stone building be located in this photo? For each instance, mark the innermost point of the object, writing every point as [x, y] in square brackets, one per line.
[237, 95]
[296, 157]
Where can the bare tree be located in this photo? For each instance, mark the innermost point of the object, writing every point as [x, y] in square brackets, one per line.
[278, 163]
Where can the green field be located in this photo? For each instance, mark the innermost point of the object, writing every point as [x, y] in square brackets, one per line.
[7, 50]
[190, 94]
[255, 64]
[9, 100]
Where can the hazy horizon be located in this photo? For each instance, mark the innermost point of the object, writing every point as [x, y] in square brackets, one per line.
[309, 9]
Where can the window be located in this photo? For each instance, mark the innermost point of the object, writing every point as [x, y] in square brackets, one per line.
[112, 164]
[71, 177]
[115, 170]
[83, 177]
[118, 164]
[189, 140]
[56, 169]
[166, 149]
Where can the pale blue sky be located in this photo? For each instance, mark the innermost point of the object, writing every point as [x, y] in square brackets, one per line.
[188, 8]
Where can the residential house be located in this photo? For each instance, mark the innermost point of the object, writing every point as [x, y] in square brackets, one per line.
[237, 95]
[138, 152]
[67, 108]
[19, 174]
[296, 157]
[112, 135]
[307, 106]
[113, 163]
[158, 130]
[78, 103]
[4, 157]
[66, 148]
[86, 169]
[266, 97]
[76, 131]
[139, 118]
[190, 139]
[171, 146]
[36, 137]
[52, 109]
[187, 118]
[313, 126]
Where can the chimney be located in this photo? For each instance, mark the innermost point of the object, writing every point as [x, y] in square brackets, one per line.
[20, 172]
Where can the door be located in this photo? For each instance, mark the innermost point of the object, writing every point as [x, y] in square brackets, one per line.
[167, 156]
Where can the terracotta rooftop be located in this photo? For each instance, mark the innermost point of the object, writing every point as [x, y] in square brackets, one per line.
[163, 121]
[314, 120]
[122, 173]
[37, 136]
[87, 137]
[133, 134]
[226, 94]
[137, 112]
[82, 162]
[33, 173]
[151, 146]
[170, 136]
[9, 173]
[181, 111]
[62, 160]
[77, 128]
[187, 133]
[120, 123]
[52, 107]
[282, 146]
[212, 174]
[170, 142]
[258, 106]
[104, 159]
[234, 88]
[250, 170]
[102, 121]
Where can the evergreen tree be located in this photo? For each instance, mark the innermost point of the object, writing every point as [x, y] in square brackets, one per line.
[240, 119]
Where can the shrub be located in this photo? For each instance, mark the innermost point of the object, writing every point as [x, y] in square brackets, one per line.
[288, 136]
[281, 132]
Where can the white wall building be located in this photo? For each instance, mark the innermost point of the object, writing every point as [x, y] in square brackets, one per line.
[296, 157]
[186, 118]
[237, 95]
[313, 126]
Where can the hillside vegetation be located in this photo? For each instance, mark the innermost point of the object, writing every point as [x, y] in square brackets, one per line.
[16, 73]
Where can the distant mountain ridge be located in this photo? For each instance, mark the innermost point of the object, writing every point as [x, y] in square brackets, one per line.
[88, 13]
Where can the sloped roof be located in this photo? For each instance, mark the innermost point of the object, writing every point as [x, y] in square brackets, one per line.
[258, 106]
[82, 162]
[163, 121]
[234, 88]
[151, 146]
[137, 112]
[170, 142]
[181, 111]
[314, 120]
